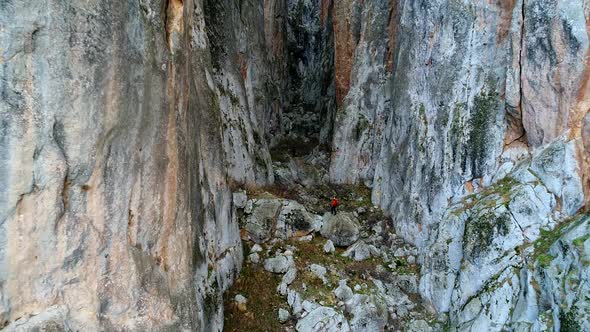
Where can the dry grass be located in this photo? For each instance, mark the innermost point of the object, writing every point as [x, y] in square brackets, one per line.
[260, 288]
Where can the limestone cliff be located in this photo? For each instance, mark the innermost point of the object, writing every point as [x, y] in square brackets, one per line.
[115, 212]
[443, 100]
[124, 124]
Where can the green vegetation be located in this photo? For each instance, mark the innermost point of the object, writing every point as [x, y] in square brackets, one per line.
[480, 231]
[498, 194]
[361, 125]
[545, 260]
[549, 237]
[579, 242]
[568, 321]
[483, 114]
[457, 127]
[263, 302]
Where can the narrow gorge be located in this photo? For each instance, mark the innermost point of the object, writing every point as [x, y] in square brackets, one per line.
[168, 165]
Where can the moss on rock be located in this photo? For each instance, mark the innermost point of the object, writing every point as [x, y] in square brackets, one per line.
[483, 113]
[480, 231]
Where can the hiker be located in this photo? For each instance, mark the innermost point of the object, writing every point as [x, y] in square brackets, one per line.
[334, 205]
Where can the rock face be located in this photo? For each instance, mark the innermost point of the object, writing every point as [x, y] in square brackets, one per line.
[485, 242]
[441, 100]
[323, 319]
[123, 125]
[363, 38]
[266, 218]
[418, 124]
[118, 120]
[310, 101]
[244, 87]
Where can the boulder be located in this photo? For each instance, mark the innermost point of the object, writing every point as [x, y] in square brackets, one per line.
[259, 222]
[369, 313]
[254, 258]
[294, 301]
[323, 319]
[241, 302]
[279, 264]
[319, 271]
[358, 251]
[343, 229]
[240, 299]
[329, 247]
[295, 220]
[288, 278]
[307, 238]
[343, 292]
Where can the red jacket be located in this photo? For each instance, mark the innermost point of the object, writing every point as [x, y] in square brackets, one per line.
[334, 202]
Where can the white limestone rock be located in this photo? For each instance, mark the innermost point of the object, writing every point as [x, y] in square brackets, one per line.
[342, 229]
[323, 319]
[279, 264]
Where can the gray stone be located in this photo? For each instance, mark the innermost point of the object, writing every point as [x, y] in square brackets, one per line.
[358, 251]
[343, 292]
[369, 313]
[294, 219]
[309, 306]
[419, 326]
[319, 271]
[294, 301]
[284, 315]
[240, 299]
[342, 229]
[324, 319]
[329, 247]
[240, 198]
[290, 276]
[254, 258]
[256, 248]
[279, 264]
[307, 238]
[259, 223]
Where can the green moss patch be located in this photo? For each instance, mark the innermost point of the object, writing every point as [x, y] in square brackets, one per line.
[500, 193]
[483, 114]
[545, 260]
[480, 231]
[579, 242]
[361, 126]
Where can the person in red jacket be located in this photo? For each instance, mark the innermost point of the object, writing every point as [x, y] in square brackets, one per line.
[334, 205]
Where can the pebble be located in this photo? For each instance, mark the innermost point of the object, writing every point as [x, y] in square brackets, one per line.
[240, 299]
[329, 247]
[306, 238]
[254, 258]
[256, 248]
[283, 315]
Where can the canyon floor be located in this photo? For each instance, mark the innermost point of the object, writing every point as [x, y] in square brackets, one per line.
[306, 269]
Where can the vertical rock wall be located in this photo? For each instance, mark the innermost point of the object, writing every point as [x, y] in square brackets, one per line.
[246, 93]
[114, 207]
[309, 111]
[446, 87]
[441, 100]
[364, 33]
